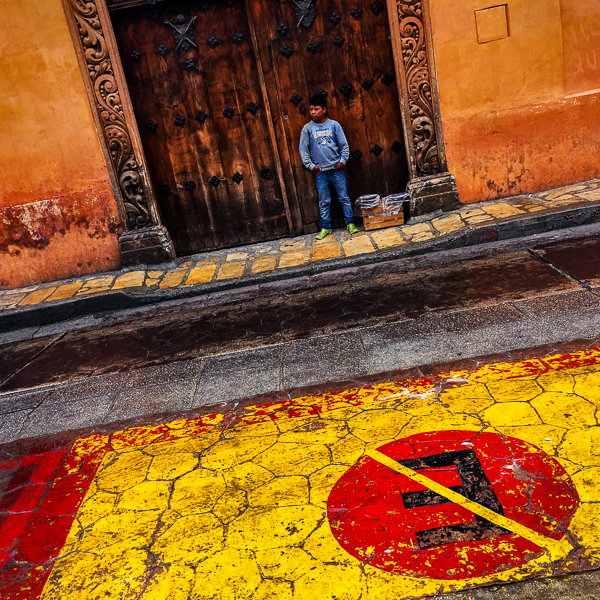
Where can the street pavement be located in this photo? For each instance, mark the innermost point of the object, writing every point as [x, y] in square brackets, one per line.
[437, 482]
[411, 428]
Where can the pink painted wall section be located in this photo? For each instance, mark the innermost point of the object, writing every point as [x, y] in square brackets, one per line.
[58, 216]
[516, 118]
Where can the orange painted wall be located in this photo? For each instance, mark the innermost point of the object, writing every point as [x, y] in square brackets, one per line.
[58, 216]
[511, 121]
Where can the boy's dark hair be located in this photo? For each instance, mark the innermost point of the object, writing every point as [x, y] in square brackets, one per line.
[318, 100]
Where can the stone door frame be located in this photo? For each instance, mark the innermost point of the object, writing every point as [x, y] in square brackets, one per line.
[144, 239]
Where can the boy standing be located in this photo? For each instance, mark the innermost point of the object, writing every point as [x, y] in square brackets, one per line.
[324, 150]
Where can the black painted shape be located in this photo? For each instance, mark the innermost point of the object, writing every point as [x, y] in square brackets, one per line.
[296, 99]
[162, 50]
[266, 173]
[321, 92]
[179, 121]
[396, 147]
[282, 29]
[237, 38]
[165, 189]
[426, 498]
[346, 89]
[357, 155]
[228, 112]
[377, 7]
[338, 41]
[474, 485]
[376, 150]
[189, 64]
[183, 32]
[356, 12]
[201, 116]
[335, 18]
[152, 126]
[253, 108]
[312, 46]
[213, 41]
[204, 7]
[190, 186]
[135, 55]
[238, 178]
[305, 12]
[367, 84]
[214, 181]
[387, 79]
[286, 51]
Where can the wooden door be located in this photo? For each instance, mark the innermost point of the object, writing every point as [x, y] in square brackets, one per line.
[196, 90]
[342, 48]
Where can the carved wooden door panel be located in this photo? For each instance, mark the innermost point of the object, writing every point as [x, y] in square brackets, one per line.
[342, 48]
[192, 73]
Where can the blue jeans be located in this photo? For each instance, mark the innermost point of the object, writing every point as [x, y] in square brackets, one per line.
[338, 180]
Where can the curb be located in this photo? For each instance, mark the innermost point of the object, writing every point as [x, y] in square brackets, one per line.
[511, 229]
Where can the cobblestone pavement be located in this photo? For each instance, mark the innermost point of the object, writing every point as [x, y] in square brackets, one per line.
[244, 263]
[435, 481]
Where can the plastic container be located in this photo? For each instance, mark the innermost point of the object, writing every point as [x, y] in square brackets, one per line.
[393, 203]
[368, 202]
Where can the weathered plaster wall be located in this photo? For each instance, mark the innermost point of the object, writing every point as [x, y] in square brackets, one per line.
[58, 216]
[520, 114]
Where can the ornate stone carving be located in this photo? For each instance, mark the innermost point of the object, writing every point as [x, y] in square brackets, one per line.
[416, 67]
[110, 111]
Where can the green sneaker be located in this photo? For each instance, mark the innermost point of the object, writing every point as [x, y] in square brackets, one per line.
[352, 228]
[324, 233]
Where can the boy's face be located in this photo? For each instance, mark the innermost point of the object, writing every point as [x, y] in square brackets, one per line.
[317, 113]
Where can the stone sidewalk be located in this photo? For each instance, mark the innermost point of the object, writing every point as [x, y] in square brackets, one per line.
[471, 224]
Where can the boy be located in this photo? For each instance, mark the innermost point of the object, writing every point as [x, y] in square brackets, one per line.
[324, 150]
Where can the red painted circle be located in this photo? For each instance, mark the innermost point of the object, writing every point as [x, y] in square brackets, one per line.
[387, 520]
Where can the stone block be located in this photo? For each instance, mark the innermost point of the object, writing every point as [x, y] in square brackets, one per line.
[360, 244]
[448, 224]
[297, 244]
[387, 238]
[66, 291]
[559, 192]
[146, 246]
[502, 210]
[410, 230]
[97, 284]
[432, 193]
[231, 270]
[325, 251]
[422, 237]
[37, 296]
[589, 195]
[264, 263]
[173, 278]
[10, 300]
[201, 274]
[294, 258]
[236, 256]
[128, 280]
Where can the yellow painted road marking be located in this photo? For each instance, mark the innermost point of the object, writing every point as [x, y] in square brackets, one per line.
[556, 548]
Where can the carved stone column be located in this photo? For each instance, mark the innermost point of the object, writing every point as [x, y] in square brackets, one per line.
[144, 240]
[431, 186]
